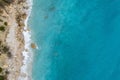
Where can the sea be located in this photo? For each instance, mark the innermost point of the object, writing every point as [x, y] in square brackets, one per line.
[76, 39]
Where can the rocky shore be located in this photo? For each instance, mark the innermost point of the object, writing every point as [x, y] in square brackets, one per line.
[12, 17]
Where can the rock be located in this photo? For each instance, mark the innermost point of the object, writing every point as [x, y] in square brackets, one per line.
[5, 66]
[26, 50]
[33, 45]
[24, 16]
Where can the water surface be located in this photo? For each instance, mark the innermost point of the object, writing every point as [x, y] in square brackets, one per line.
[77, 39]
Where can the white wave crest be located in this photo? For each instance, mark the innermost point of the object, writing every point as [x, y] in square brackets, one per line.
[25, 73]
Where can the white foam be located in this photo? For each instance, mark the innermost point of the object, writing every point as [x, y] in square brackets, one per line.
[27, 53]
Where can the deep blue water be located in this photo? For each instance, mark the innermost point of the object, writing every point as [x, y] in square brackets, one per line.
[77, 39]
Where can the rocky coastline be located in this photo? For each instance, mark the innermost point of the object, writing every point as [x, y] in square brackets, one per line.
[12, 16]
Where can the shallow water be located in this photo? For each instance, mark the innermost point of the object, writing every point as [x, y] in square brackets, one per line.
[77, 39]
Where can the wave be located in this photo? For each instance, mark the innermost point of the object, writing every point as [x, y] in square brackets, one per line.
[25, 72]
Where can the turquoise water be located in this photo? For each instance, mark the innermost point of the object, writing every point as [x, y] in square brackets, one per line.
[77, 39]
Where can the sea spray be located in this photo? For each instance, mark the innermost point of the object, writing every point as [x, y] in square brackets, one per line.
[27, 53]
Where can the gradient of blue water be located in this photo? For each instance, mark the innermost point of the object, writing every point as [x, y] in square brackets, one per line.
[77, 39]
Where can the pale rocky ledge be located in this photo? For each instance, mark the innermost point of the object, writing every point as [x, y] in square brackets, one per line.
[12, 16]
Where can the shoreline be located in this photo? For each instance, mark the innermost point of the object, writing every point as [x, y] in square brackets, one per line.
[27, 53]
[19, 40]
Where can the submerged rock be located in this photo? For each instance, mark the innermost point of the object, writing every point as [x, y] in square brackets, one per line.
[33, 45]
